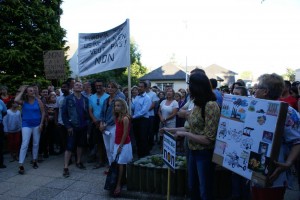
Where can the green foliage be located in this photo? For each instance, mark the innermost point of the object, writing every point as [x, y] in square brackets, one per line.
[28, 28]
[290, 74]
[246, 75]
[121, 75]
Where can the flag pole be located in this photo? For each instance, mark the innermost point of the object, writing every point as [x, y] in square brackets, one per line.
[129, 74]
[129, 89]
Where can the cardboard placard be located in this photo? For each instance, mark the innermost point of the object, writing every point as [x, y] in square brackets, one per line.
[249, 136]
[54, 64]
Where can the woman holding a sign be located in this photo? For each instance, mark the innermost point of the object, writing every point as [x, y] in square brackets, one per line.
[203, 121]
[270, 86]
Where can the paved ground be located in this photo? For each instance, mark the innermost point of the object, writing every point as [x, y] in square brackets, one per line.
[47, 182]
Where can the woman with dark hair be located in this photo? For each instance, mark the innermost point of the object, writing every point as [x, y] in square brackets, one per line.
[234, 85]
[107, 120]
[203, 123]
[240, 90]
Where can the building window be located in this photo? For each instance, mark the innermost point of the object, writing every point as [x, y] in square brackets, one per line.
[162, 86]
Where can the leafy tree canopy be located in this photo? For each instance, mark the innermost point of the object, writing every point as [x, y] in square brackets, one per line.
[28, 28]
[290, 74]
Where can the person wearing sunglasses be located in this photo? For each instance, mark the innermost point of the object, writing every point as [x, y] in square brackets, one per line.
[95, 139]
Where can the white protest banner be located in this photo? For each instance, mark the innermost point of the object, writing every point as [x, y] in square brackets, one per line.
[54, 64]
[99, 52]
[169, 150]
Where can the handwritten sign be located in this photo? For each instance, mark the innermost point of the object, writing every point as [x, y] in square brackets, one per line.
[54, 64]
[99, 52]
[169, 150]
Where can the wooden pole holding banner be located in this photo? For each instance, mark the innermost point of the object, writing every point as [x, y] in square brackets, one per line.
[129, 89]
[129, 77]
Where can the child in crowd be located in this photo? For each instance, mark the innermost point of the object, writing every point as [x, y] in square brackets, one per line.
[51, 119]
[12, 123]
[122, 147]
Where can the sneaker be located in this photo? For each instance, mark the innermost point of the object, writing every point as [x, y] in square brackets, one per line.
[35, 166]
[80, 166]
[66, 172]
[21, 170]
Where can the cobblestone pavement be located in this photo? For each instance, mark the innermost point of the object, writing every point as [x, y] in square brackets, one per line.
[47, 182]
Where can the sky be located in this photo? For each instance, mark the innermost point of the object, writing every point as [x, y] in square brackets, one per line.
[239, 35]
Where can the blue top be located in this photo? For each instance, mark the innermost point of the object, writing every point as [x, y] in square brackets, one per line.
[3, 110]
[75, 112]
[291, 136]
[31, 114]
[106, 114]
[219, 97]
[97, 103]
[141, 105]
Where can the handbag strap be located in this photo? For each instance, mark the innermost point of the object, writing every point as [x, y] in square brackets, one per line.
[117, 157]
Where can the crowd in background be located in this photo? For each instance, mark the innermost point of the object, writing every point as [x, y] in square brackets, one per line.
[95, 116]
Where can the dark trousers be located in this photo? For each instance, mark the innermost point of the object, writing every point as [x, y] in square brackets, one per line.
[140, 130]
[62, 137]
[1, 143]
[151, 132]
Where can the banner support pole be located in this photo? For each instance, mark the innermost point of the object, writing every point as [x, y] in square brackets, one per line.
[168, 190]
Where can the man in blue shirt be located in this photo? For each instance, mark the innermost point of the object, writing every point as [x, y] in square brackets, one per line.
[140, 122]
[95, 107]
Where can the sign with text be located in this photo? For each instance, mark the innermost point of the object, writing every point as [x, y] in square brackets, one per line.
[99, 52]
[54, 64]
[169, 150]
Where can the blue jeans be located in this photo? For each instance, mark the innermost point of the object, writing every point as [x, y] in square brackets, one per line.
[201, 174]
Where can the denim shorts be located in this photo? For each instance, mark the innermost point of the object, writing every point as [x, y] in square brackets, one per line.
[78, 139]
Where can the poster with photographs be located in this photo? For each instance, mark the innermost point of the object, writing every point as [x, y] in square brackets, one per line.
[249, 135]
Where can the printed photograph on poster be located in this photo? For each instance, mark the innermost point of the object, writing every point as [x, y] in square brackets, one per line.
[259, 163]
[222, 130]
[252, 105]
[267, 136]
[263, 148]
[226, 109]
[261, 120]
[247, 131]
[237, 161]
[238, 111]
[247, 143]
[230, 130]
[220, 147]
[273, 109]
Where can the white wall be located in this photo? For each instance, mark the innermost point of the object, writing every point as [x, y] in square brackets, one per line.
[176, 84]
[297, 78]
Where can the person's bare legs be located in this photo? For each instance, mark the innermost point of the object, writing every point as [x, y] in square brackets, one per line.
[67, 158]
[120, 175]
[79, 153]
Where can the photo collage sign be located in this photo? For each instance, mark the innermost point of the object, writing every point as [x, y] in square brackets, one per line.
[248, 135]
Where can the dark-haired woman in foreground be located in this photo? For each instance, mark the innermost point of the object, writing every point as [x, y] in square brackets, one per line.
[203, 123]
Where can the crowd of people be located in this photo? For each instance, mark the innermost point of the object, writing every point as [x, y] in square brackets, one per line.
[105, 120]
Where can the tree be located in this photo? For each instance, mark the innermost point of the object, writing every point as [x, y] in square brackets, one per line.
[28, 28]
[121, 75]
[290, 74]
[246, 75]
